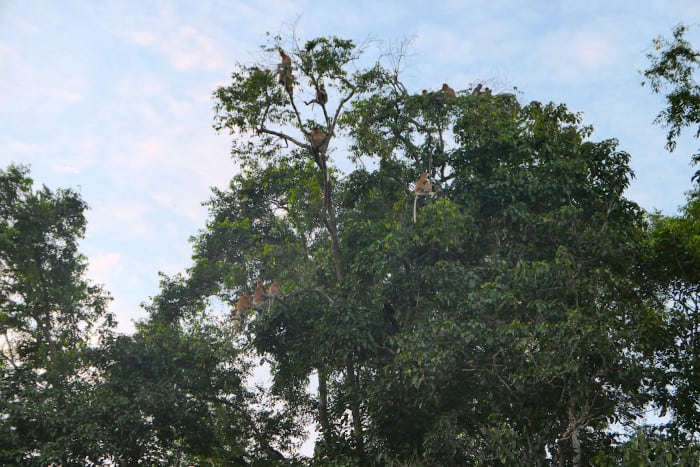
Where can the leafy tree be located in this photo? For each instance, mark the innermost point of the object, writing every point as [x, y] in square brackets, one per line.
[675, 256]
[674, 244]
[672, 67]
[503, 318]
[48, 314]
[174, 394]
[651, 447]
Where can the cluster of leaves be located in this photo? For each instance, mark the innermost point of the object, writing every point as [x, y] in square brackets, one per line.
[673, 65]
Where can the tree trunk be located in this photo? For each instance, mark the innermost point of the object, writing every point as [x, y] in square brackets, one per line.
[355, 403]
[323, 406]
[576, 445]
[332, 227]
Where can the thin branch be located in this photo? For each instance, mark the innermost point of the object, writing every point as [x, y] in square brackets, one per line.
[283, 136]
[343, 101]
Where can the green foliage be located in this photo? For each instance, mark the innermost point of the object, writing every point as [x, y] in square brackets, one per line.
[672, 263]
[500, 324]
[673, 64]
[48, 314]
[673, 260]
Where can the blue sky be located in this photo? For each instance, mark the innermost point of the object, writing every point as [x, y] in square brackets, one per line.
[114, 97]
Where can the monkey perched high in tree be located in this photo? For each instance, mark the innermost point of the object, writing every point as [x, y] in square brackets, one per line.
[449, 92]
[253, 102]
[321, 96]
[284, 72]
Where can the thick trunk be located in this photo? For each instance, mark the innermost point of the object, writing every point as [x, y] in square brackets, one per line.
[576, 445]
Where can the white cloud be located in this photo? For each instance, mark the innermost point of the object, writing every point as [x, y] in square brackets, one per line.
[131, 219]
[103, 267]
[184, 46]
[67, 169]
[19, 148]
[68, 96]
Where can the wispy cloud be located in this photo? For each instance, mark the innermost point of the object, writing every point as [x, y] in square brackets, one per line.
[69, 169]
[16, 148]
[185, 47]
[103, 267]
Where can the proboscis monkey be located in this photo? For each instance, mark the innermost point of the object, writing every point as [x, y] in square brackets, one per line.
[423, 188]
[259, 294]
[321, 96]
[424, 92]
[423, 185]
[449, 92]
[285, 66]
[243, 304]
[477, 90]
[284, 72]
[317, 136]
[275, 289]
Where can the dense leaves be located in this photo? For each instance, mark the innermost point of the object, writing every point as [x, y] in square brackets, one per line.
[48, 315]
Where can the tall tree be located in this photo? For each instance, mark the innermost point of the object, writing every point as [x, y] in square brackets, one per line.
[48, 314]
[268, 102]
[175, 392]
[475, 296]
[492, 315]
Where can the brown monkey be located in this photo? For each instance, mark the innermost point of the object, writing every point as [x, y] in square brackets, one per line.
[423, 185]
[284, 72]
[449, 92]
[285, 66]
[317, 136]
[423, 188]
[243, 304]
[275, 289]
[321, 96]
[477, 90]
[259, 294]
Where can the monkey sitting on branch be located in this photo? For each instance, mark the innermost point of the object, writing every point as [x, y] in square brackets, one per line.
[317, 137]
[321, 96]
[424, 187]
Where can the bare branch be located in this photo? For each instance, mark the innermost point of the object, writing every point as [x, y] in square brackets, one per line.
[283, 136]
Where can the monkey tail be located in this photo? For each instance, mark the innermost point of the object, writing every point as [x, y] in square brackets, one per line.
[415, 203]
